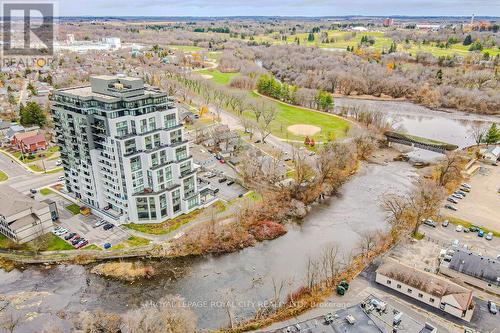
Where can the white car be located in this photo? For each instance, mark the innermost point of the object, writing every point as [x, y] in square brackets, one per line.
[60, 178]
[459, 228]
[489, 236]
[58, 162]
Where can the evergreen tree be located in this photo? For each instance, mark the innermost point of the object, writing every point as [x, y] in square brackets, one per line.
[32, 114]
[467, 40]
[310, 38]
[493, 135]
[439, 76]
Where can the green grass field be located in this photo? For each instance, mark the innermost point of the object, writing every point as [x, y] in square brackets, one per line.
[292, 115]
[185, 48]
[381, 42]
[3, 176]
[73, 208]
[47, 242]
[219, 77]
[46, 191]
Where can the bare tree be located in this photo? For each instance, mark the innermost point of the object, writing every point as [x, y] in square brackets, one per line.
[368, 241]
[424, 201]
[268, 114]
[448, 170]
[478, 132]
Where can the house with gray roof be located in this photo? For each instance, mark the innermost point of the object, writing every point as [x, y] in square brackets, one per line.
[474, 269]
[23, 219]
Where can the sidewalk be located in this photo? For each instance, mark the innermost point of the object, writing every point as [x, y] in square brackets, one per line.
[26, 166]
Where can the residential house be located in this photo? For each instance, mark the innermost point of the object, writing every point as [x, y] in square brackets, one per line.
[21, 218]
[20, 136]
[474, 269]
[33, 143]
[427, 288]
[13, 130]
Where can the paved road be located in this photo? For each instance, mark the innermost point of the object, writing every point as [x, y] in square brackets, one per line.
[21, 179]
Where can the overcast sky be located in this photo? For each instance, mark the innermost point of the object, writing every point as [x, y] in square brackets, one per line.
[277, 7]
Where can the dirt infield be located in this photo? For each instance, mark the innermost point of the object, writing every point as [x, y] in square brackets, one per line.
[305, 130]
[206, 76]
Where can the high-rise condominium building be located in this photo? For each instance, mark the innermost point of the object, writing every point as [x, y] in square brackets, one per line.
[123, 150]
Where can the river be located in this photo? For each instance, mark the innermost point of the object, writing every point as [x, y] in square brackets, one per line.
[245, 278]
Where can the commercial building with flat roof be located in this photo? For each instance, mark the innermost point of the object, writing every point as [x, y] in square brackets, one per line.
[123, 150]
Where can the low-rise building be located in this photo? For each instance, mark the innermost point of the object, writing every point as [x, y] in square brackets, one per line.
[33, 143]
[23, 219]
[427, 288]
[474, 269]
[491, 155]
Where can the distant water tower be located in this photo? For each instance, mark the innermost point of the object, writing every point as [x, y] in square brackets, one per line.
[472, 20]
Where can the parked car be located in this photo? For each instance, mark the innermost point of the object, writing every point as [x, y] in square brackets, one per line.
[452, 200]
[231, 182]
[466, 230]
[445, 223]
[459, 228]
[458, 196]
[216, 190]
[257, 141]
[210, 175]
[451, 207]
[32, 190]
[76, 240]
[492, 307]
[99, 223]
[107, 246]
[82, 244]
[480, 233]
[489, 236]
[222, 180]
[218, 157]
[108, 226]
[465, 189]
[462, 193]
[60, 178]
[430, 223]
[222, 161]
[466, 185]
[474, 228]
[70, 235]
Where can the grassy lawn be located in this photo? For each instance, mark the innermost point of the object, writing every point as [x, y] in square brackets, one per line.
[185, 48]
[341, 41]
[47, 242]
[3, 176]
[73, 208]
[219, 77]
[467, 224]
[56, 170]
[45, 154]
[292, 115]
[169, 226]
[137, 241]
[35, 168]
[46, 191]
[92, 247]
[424, 140]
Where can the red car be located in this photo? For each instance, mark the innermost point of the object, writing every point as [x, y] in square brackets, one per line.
[222, 161]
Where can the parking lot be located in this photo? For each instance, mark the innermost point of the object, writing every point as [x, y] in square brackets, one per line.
[84, 225]
[480, 206]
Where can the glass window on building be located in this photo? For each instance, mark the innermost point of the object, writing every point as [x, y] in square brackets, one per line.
[142, 208]
[193, 202]
[170, 120]
[156, 140]
[130, 146]
[154, 159]
[152, 123]
[163, 205]
[168, 173]
[176, 136]
[121, 128]
[160, 175]
[188, 187]
[135, 163]
[144, 126]
[181, 153]
[163, 156]
[148, 142]
[185, 168]
[152, 208]
[176, 200]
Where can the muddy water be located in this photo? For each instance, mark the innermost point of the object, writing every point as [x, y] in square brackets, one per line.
[245, 278]
[451, 127]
